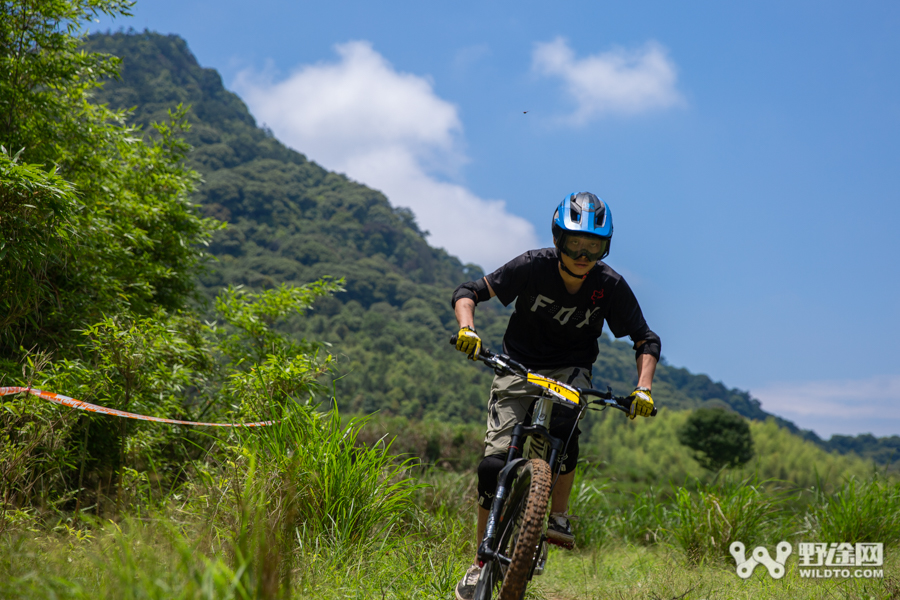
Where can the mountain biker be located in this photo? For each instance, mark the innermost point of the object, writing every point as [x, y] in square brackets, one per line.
[563, 295]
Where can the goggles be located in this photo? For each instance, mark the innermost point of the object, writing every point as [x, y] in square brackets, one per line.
[591, 247]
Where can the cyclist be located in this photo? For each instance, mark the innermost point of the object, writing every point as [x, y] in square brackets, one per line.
[563, 295]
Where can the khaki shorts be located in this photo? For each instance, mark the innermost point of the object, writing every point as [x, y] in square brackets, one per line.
[511, 401]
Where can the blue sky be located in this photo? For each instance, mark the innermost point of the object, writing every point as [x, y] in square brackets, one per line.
[749, 155]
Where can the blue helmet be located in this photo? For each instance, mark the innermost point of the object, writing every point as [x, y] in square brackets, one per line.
[582, 213]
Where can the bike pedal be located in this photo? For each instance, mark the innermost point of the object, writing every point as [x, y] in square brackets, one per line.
[566, 545]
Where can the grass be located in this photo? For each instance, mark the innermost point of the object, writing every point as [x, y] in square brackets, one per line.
[150, 559]
[153, 559]
[860, 511]
[306, 510]
[705, 523]
[663, 572]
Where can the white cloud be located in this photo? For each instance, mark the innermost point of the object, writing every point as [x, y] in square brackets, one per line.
[614, 82]
[390, 131]
[845, 406]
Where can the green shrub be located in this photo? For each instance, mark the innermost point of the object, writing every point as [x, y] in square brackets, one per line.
[34, 457]
[450, 446]
[646, 452]
[719, 438]
[784, 456]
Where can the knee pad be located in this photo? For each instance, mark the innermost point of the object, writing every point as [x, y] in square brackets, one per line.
[488, 470]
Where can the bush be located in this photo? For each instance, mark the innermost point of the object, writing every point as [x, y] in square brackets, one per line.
[719, 438]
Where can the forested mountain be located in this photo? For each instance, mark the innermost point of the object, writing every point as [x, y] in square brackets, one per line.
[290, 220]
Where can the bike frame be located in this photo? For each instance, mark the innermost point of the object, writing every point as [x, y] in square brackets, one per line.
[553, 392]
[507, 476]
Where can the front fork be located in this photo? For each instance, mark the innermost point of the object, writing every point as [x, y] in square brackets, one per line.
[486, 550]
[514, 460]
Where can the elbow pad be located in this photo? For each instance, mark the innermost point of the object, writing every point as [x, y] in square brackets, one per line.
[477, 291]
[652, 345]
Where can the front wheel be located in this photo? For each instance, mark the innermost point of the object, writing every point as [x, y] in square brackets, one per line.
[520, 528]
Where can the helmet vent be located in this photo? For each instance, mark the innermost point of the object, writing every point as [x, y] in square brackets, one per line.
[575, 215]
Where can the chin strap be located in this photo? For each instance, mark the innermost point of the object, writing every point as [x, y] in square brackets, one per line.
[562, 266]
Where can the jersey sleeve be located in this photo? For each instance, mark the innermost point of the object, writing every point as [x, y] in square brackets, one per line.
[509, 280]
[625, 316]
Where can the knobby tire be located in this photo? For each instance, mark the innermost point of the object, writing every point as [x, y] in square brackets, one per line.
[521, 526]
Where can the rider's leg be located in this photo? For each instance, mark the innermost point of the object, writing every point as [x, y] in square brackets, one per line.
[488, 470]
[483, 515]
[564, 418]
[559, 529]
[559, 499]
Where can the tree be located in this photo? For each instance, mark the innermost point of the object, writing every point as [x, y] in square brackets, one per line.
[36, 207]
[718, 437]
[100, 245]
[95, 216]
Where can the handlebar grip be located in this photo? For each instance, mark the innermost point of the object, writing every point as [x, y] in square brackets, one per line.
[627, 405]
[453, 339]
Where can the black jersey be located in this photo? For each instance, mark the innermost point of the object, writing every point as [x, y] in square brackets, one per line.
[552, 328]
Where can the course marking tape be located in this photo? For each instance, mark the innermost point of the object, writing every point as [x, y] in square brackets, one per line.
[73, 403]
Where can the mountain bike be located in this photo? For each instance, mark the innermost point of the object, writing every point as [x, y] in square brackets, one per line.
[515, 544]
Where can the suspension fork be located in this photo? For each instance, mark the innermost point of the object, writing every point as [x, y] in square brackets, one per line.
[486, 551]
[514, 460]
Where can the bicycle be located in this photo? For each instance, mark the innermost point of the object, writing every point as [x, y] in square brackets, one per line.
[515, 544]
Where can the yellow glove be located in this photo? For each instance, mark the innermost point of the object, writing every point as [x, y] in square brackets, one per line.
[641, 403]
[468, 341]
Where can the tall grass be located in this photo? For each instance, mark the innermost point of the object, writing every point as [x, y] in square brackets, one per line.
[860, 511]
[705, 523]
[643, 520]
[284, 510]
[134, 560]
[245, 541]
[589, 505]
[639, 518]
[302, 496]
[333, 489]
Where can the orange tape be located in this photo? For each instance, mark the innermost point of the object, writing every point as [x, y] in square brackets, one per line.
[73, 403]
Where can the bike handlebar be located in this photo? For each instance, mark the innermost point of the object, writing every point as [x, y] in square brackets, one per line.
[503, 364]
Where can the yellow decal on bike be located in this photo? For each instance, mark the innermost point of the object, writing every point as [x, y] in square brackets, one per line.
[557, 388]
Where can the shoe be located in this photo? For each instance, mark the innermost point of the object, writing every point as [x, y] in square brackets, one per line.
[465, 589]
[559, 531]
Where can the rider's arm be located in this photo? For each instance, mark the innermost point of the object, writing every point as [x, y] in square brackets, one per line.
[646, 368]
[626, 318]
[465, 312]
[464, 299]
